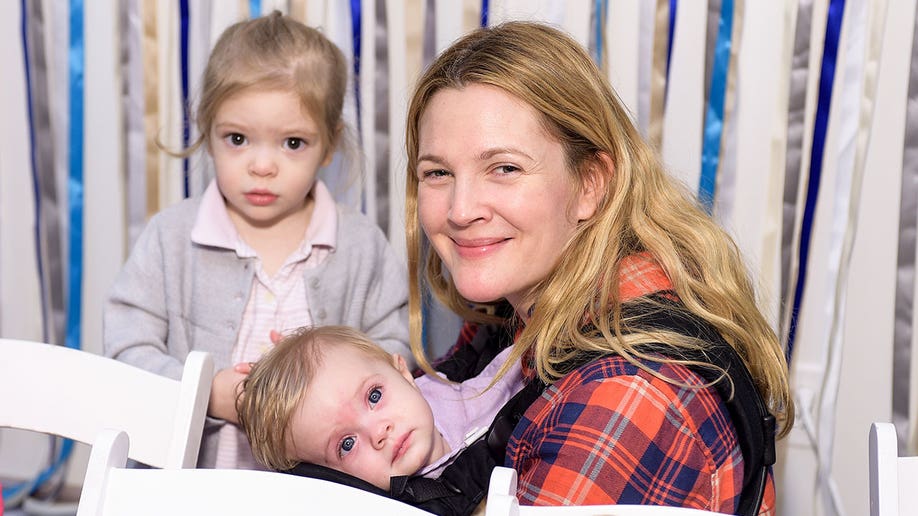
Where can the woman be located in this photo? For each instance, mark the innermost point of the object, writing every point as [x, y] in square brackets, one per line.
[535, 191]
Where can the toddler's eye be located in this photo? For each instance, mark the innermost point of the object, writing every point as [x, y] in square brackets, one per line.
[235, 139]
[347, 444]
[375, 396]
[294, 143]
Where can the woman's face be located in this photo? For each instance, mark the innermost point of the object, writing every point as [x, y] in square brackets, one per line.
[495, 197]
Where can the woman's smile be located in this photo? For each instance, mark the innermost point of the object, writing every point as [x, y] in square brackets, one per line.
[478, 247]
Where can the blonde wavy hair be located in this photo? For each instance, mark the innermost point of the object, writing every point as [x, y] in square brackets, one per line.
[642, 210]
[279, 382]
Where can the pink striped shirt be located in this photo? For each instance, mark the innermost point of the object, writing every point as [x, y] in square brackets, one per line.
[275, 302]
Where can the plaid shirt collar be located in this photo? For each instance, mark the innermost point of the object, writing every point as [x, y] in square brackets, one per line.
[639, 275]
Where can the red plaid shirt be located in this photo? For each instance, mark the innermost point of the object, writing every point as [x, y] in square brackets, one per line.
[611, 433]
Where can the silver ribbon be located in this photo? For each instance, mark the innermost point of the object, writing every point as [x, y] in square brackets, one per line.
[50, 249]
[796, 112]
[903, 330]
[381, 119]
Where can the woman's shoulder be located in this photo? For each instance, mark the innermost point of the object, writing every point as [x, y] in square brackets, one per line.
[674, 391]
[613, 366]
[633, 421]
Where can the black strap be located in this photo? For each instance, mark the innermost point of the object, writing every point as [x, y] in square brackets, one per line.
[305, 469]
[464, 482]
[755, 426]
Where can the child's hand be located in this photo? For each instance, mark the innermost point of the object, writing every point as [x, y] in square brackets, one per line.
[223, 391]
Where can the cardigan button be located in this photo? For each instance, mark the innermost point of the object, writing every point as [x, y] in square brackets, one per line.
[314, 283]
[322, 314]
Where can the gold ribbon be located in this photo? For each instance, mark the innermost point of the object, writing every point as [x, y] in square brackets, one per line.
[151, 104]
[658, 74]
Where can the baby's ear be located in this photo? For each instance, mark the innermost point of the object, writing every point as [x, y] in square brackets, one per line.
[399, 364]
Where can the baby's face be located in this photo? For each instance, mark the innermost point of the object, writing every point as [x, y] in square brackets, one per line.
[365, 417]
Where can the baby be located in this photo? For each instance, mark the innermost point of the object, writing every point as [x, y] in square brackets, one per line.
[331, 396]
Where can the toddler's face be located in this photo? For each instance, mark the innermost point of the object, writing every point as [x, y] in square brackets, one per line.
[267, 152]
[365, 417]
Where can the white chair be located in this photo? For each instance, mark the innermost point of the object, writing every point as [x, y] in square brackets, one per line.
[110, 489]
[888, 471]
[76, 394]
[502, 502]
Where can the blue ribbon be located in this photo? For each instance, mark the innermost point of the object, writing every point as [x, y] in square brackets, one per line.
[484, 13]
[75, 183]
[714, 114]
[254, 8]
[673, 6]
[30, 486]
[826, 80]
[356, 16]
[183, 57]
[75, 197]
[599, 24]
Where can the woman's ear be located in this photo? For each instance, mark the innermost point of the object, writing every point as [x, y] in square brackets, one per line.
[598, 172]
[402, 367]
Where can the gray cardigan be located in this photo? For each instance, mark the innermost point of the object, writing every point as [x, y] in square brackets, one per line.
[173, 296]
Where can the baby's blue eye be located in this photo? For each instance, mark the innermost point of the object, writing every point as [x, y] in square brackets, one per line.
[375, 396]
[347, 444]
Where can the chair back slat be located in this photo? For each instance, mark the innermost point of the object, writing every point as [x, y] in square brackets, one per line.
[75, 394]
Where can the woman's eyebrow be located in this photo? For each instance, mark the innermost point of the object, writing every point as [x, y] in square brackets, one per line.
[431, 157]
[490, 153]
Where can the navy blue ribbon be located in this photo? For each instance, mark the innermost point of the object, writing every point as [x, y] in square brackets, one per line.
[673, 6]
[484, 13]
[356, 22]
[826, 80]
[183, 57]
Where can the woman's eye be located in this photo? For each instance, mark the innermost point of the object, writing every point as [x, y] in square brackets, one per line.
[294, 143]
[374, 396]
[438, 173]
[507, 169]
[347, 444]
[235, 139]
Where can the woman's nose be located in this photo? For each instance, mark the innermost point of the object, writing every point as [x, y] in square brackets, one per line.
[467, 204]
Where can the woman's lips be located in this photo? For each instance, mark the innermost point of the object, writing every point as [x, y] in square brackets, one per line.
[477, 247]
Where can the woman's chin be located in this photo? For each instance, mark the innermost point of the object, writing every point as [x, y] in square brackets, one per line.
[481, 295]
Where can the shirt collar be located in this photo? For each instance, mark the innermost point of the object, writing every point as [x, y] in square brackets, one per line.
[213, 226]
[640, 275]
